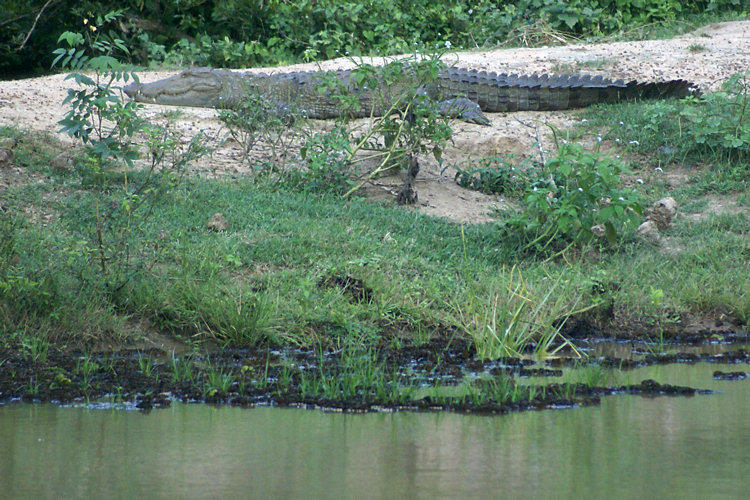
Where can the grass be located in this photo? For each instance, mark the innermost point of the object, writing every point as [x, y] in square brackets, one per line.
[257, 283]
[519, 316]
[217, 380]
[591, 375]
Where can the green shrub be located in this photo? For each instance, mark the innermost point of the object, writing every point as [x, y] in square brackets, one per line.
[492, 175]
[569, 196]
[719, 122]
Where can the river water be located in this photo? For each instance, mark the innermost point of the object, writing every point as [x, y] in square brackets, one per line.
[629, 447]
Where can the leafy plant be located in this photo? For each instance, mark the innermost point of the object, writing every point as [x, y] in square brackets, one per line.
[256, 121]
[108, 125]
[327, 156]
[492, 175]
[98, 116]
[405, 122]
[719, 122]
[411, 123]
[569, 197]
[713, 127]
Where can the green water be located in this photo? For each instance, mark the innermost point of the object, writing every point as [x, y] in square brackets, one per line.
[629, 447]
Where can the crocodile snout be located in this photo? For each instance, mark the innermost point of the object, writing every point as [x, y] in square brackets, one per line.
[133, 89]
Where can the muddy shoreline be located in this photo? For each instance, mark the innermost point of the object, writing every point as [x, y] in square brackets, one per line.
[411, 378]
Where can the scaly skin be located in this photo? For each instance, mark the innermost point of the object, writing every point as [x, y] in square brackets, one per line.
[459, 93]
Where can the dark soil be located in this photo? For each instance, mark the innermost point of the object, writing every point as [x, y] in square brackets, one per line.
[354, 380]
[719, 375]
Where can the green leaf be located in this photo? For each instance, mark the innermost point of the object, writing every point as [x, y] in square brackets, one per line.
[73, 39]
[610, 233]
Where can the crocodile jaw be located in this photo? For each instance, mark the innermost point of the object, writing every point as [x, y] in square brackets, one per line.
[194, 87]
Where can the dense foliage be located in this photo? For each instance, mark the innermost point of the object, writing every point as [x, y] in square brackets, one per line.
[234, 33]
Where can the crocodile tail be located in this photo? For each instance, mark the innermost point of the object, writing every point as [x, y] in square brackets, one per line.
[661, 90]
[501, 92]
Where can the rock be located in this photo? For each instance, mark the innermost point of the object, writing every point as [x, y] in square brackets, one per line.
[648, 231]
[217, 223]
[8, 143]
[62, 162]
[598, 230]
[6, 157]
[663, 213]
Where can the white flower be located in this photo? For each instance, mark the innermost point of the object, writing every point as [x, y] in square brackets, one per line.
[621, 198]
[584, 120]
[599, 138]
[617, 140]
[633, 142]
[534, 189]
[580, 190]
[563, 141]
[658, 169]
[470, 11]
[447, 44]
[621, 123]
[639, 181]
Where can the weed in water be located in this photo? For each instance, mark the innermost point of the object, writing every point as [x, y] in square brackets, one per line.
[32, 389]
[182, 368]
[590, 375]
[217, 380]
[500, 389]
[145, 364]
[86, 367]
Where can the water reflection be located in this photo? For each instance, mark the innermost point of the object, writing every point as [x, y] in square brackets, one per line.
[629, 447]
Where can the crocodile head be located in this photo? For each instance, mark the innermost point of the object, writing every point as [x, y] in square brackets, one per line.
[202, 87]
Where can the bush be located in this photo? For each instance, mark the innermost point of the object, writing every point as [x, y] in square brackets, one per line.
[571, 196]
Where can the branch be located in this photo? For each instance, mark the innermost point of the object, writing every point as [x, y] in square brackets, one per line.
[8, 21]
[28, 35]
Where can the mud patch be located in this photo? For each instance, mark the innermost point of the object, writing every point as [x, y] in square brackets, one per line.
[354, 288]
[719, 375]
[440, 375]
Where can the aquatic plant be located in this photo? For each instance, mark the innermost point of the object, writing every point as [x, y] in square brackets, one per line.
[591, 375]
[182, 368]
[217, 380]
[86, 367]
[145, 364]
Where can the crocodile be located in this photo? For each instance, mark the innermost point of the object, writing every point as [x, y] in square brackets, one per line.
[457, 92]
